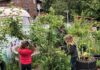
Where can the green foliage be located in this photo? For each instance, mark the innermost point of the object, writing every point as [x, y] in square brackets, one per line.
[44, 32]
[98, 63]
[56, 60]
[81, 30]
[96, 35]
[86, 8]
[91, 8]
[15, 28]
[12, 27]
[47, 5]
[46, 25]
[3, 29]
[58, 5]
[84, 34]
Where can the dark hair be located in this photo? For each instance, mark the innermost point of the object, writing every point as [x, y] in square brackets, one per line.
[24, 44]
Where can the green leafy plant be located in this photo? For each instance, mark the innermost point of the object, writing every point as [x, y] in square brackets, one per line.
[96, 35]
[12, 27]
[81, 30]
[98, 63]
[44, 34]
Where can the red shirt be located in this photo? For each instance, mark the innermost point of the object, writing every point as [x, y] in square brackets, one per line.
[25, 55]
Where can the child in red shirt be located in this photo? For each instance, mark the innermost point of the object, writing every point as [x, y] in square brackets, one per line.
[25, 56]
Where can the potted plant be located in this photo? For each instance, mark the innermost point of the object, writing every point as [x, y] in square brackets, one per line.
[86, 61]
[85, 41]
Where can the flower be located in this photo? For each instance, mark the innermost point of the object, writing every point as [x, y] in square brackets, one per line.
[85, 54]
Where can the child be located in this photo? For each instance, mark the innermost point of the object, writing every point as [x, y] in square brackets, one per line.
[25, 55]
[71, 50]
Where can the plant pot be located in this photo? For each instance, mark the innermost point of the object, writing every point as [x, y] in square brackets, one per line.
[97, 56]
[86, 65]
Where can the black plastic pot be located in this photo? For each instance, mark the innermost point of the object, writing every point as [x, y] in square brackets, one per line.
[86, 65]
[97, 56]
